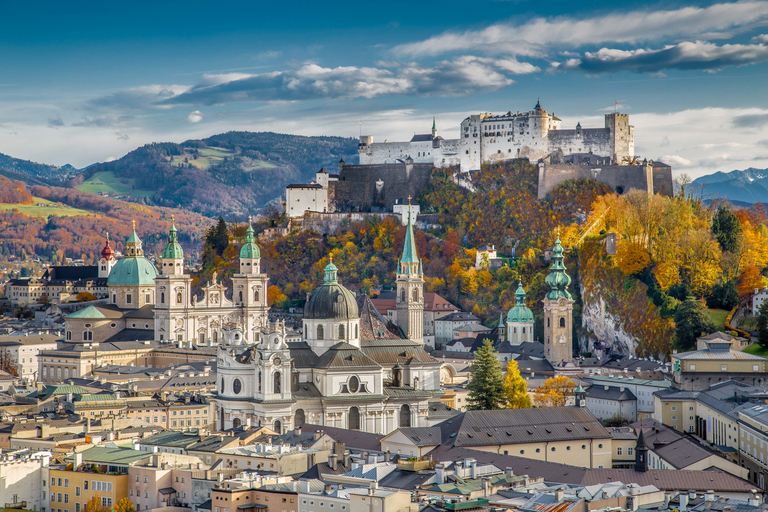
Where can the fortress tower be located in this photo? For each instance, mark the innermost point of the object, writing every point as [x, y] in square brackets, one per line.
[558, 311]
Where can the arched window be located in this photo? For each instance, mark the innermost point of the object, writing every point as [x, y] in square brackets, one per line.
[259, 382]
[354, 384]
[405, 416]
[215, 336]
[256, 295]
[236, 422]
[547, 322]
[523, 330]
[298, 419]
[178, 298]
[114, 298]
[415, 294]
[162, 297]
[241, 296]
[306, 329]
[341, 332]
[278, 427]
[221, 389]
[514, 330]
[562, 321]
[402, 295]
[354, 419]
[356, 332]
[319, 332]
[277, 383]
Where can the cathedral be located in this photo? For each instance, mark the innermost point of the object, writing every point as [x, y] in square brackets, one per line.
[349, 367]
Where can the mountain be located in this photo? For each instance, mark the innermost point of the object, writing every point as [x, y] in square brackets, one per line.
[231, 174]
[16, 168]
[748, 186]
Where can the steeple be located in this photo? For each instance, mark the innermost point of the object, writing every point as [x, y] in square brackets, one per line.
[107, 252]
[410, 254]
[641, 453]
[172, 250]
[250, 250]
[434, 127]
[558, 280]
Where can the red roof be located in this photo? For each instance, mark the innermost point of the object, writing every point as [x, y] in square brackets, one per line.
[107, 253]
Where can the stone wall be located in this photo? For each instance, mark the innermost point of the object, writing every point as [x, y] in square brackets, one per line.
[621, 178]
[376, 187]
[325, 223]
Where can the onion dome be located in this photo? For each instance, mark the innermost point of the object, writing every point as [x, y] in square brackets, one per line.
[133, 269]
[520, 312]
[107, 253]
[558, 280]
[250, 250]
[330, 300]
[172, 249]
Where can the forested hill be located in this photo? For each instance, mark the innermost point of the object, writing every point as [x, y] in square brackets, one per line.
[231, 174]
[32, 173]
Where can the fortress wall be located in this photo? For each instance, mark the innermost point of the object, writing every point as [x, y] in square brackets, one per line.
[621, 178]
[662, 180]
[590, 140]
[358, 187]
[325, 223]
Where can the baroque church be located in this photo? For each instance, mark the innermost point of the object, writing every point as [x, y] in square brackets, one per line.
[348, 369]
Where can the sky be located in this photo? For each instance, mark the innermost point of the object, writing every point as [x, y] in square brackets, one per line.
[83, 82]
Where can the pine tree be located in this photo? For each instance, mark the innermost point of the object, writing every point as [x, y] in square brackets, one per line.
[486, 383]
[515, 388]
[762, 325]
[726, 228]
[691, 321]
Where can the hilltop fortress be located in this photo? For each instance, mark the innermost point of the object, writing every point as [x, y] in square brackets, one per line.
[489, 138]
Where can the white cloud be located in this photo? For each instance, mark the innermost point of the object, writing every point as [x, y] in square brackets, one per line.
[535, 36]
[676, 161]
[195, 117]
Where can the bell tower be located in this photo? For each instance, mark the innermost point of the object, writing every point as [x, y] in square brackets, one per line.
[172, 294]
[410, 288]
[558, 311]
[249, 286]
[107, 260]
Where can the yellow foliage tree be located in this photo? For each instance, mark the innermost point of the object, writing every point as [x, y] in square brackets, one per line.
[632, 257]
[124, 505]
[515, 388]
[275, 296]
[554, 392]
[666, 274]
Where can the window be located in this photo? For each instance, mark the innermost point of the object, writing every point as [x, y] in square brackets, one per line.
[162, 297]
[723, 367]
[237, 386]
[690, 429]
[319, 332]
[66, 497]
[77, 507]
[146, 298]
[630, 450]
[128, 300]
[77, 490]
[85, 485]
[341, 332]
[179, 298]
[562, 321]
[106, 502]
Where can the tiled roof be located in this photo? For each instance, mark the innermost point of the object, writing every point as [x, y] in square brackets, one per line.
[344, 355]
[391, 352]
[610, 393]
[422, 436]
[351, 438]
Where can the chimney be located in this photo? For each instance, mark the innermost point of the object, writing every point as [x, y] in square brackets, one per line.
[332, 459]
[508, 472]
[559, 494]
[304, 485]
[709, 496]
[328, 488]
[683, 502]
[318, 434]
[297, 430]
[346, 458]
[78, 460]
[473, 469]
[440, 474]
[486, 487]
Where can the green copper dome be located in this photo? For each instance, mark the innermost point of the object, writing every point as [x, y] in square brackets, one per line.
[250, 250]
[172, 249]
[133, 269]
[558, 280]
[520, 312]
[330, 300]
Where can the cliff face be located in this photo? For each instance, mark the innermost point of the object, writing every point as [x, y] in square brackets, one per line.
[617, 314]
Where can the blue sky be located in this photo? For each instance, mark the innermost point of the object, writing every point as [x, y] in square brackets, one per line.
[86, 81]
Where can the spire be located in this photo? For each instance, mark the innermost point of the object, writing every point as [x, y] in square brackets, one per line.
[250, 250]
[520, 294]
[557, 279]
[421, 268]
[133, 244]
[538, 104]
[434, 127]
[172, 250]
[410, 254]
[107, 253]
[331, 272]
[501, 320]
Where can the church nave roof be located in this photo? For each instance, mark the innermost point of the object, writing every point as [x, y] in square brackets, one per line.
[344, 355]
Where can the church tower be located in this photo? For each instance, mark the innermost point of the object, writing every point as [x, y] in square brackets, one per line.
[519, 319]
[249, 287]
[558, 311]
[410, 288]
[172, 291]
[107, 260]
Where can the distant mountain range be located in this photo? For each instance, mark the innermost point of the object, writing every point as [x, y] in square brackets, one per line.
[747, 186]
[34, 173]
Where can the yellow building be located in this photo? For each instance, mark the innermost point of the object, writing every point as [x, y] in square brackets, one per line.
[718, 362]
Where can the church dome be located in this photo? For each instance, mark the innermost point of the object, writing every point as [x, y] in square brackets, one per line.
[250, 250]
[107, 252]
[330, 300]
[520, 312]
[133, 269]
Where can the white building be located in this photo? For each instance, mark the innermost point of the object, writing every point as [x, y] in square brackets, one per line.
[311, 197]
[24, 350]
[22, 474]
[758, 298]
[404, 210]
[488, 138]
[643, 389]
[446, 325]
[607, 402]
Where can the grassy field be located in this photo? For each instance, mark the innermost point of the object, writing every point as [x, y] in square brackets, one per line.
[756, 350]
[43, 208]
[108, 183]
[209, 157]
[718, 318]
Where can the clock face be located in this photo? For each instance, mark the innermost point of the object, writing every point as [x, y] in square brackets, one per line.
[277, 361]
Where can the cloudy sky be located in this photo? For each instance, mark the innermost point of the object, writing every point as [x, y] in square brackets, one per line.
[82, 82]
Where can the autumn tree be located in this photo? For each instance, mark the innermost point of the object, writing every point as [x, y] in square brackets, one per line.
[486, 383]
[727, 229]
[750, 280]
[95, 505]
[691, 321]
[276, 297]
[632, 257]
[85, 296]
[555, 392]
[515, 388]
[124, 505]
[43, 299]
[762, 325]
[8, 363]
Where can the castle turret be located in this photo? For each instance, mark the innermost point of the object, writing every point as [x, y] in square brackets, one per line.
[410, 288]
[558, 311]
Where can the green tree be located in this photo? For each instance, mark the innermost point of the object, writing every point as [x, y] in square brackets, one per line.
[691, 321]
[724, 296]
[486, 383]
[727, 229]
[762, 325]
[515, 388]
